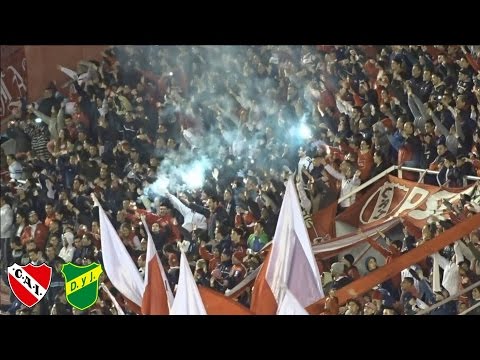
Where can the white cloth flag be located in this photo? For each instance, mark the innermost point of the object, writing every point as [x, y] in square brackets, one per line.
[187, 298]
[292, 265]
[290, 305]
[119, 266]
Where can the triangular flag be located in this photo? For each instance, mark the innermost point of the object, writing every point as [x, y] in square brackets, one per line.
[118, 265]
[290, 305]
[290, 264]
[187, 298]
[157, 297]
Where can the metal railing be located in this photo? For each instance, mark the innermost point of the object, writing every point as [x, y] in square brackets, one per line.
[450, 298]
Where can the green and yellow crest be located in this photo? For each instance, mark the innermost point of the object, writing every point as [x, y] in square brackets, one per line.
[81, 284]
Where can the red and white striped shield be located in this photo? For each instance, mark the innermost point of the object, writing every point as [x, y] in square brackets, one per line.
[30, 282]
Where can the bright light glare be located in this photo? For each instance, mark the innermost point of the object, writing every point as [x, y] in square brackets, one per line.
[305, 131]
[193, 178]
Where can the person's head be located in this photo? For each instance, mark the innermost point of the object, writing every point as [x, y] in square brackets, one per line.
[408, 128]
[86, 240]
[212, 203]
[155, 228]
[143, 245]
[226, 255]
[365, 145]
[259, 227]
[337, 269]
[436, 78]
[34, 254]
[162, 209]
[363, 124]
[353, 307]
[236, 235]
[67, 239]
[33, 217]
[348, 260]
[141, 260]
[20, 218]
[216, 251]
[369, 308]
[416, 71]
[461, 102]
[227, 195]
[10, 159]
[378, 157]
[441, 149]
[464, 267]
[400, 123]
[406, 283]
[371, 263]
[427, 75]
[476, 293]
[221, 232]
[125, 229]
[54, 241]
[449, 160]
[50, 252]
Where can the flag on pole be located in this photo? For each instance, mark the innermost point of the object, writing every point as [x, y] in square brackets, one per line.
[187, 298]
[290, 305]
[118, 265]
[290, 264]
[157, 297]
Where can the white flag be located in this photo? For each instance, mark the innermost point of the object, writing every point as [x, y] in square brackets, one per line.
[119, 266]
[290, 305]
[187, 298]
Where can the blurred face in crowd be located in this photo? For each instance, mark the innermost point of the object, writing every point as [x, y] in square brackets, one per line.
[50, 252]
[155, 228]
[212, 205]
[227, 197]
[162, 210]
[441, 149]
[85, 241]
[353, 308]
[408, 128]
[33, 218]
[372, 264]
[49, 210]
[429, 128]
[34, 255]
[427, 75]
[19, 219]
[416, 71]
[125, 230]
[476, 293]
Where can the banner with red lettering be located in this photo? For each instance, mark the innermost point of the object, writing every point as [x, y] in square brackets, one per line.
[13, 66]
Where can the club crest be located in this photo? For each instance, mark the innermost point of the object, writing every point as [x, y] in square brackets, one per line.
[29, 283]
[81, 284]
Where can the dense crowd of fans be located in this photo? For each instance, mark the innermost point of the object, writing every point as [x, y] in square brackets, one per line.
[201, 140]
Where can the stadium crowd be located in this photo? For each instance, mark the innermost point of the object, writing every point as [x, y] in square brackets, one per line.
[201, 140]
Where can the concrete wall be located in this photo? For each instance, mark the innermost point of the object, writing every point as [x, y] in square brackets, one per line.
[43, 60]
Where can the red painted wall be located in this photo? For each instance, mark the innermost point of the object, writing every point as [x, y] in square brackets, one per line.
[42, 64]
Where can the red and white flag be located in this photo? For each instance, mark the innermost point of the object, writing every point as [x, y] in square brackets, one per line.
[118, 265]
[187, 298]
[157, 297]
[290, 264]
